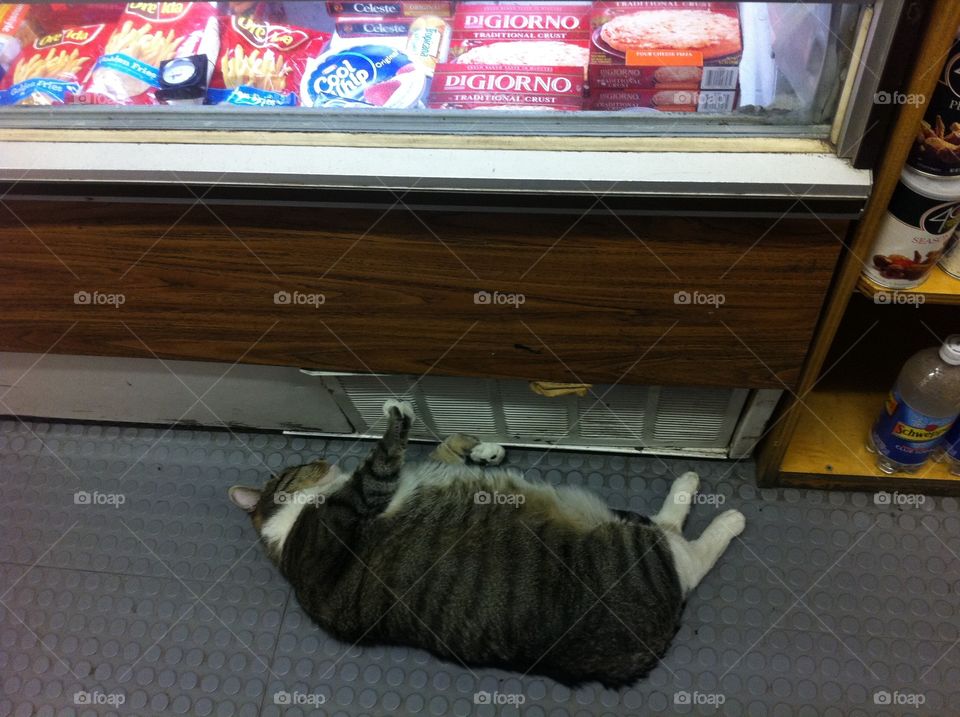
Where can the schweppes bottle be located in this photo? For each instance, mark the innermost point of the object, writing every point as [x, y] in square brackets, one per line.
[919, 409]
[949, 449]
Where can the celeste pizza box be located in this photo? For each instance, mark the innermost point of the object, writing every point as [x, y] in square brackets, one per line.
[425, 38]
[506, 87]
[397, 8]
[669, 100]
[536, 34]
[669, 45]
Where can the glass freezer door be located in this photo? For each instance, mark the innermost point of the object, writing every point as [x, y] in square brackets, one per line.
[517, 95]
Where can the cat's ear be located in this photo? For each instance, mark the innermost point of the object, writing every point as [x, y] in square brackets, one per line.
[244, 497]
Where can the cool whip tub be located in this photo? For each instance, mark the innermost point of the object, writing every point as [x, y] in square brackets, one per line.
[376, 62]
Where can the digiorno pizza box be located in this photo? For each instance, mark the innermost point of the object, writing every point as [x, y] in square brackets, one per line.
[506, 87]
[535, 34]
[663, 100]
[668, 45]
[397, 8]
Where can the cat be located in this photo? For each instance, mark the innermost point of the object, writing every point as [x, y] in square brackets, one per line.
[480, 566]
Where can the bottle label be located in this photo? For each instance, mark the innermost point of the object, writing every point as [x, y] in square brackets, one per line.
[911, 239]
[907, 436]
[952, 441]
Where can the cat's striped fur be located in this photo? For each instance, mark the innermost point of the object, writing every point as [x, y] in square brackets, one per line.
[480, 566]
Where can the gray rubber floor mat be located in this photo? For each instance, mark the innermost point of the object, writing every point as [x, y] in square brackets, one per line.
[130, 585]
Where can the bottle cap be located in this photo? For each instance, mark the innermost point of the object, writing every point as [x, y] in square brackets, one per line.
[950, 351]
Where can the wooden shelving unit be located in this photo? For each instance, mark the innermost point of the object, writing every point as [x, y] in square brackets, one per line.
[817, 438]
[939, 288]
[828, 448]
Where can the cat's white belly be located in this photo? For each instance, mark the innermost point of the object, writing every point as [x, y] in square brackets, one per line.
[507, 485]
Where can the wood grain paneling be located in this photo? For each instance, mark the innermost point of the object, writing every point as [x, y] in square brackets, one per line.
[399, 290]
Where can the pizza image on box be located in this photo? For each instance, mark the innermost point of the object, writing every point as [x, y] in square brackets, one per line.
[714, 34]
[648, 45]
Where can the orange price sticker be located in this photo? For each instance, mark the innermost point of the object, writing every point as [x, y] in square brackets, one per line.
[664, 58]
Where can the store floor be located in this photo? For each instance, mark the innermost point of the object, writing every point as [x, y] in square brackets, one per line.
[127, 576]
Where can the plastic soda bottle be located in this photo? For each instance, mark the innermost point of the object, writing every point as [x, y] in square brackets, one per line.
[919, 410]
[951, 448]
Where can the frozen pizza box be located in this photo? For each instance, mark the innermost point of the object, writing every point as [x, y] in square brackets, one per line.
[397, 8]
[541, 35]
[668, 45]
[507, 87]
[426, 39]
[662, 100]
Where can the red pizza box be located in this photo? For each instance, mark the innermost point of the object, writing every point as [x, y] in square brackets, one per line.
[522, 34]
[396, 8]
[507, 87]
[663, 100]
[665, 45]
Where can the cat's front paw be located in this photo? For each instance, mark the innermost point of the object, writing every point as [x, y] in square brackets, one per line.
[487, 454]
[731, 522]
[685, 488]
[403, 407]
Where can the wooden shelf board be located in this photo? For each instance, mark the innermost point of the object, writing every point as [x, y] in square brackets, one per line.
[828, 448]
[939, 288]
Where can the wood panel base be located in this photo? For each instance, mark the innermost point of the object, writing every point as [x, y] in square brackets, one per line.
[596, 299]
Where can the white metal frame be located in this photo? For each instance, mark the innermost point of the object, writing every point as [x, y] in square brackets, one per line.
[759, 174]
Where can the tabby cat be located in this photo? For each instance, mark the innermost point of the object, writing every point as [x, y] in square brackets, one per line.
[480, 566]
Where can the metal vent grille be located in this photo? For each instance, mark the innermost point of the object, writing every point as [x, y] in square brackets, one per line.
[684, 421]
[619, 413]
[532, 418]
[690, 415]
[458, 406]
[367, 394]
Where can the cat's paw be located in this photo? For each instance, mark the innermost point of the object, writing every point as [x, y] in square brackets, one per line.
[488, 454]
[403, 407]
[684, 488]
[731, 522]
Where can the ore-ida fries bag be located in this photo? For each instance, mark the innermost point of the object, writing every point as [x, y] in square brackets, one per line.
[146, 34]
[261, 63]
[51, 70]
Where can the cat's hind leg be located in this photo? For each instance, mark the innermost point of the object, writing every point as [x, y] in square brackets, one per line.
[676, 507]
[694, 559]
[487, 454]
[455, 448]
[461, 447]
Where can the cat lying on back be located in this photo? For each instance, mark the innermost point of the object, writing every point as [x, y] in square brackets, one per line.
[480, 566]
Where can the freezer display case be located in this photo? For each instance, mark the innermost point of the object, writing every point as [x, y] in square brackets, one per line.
[753, 62]
[555, 81]
[604, 68]
[610, 193]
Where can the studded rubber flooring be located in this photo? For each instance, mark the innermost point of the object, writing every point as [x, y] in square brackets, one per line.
[131, 586]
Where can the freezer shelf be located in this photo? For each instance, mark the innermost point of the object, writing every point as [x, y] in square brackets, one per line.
[601, 68]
